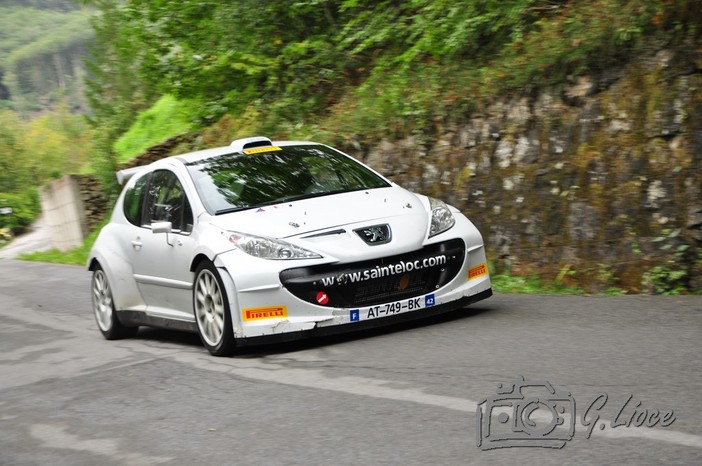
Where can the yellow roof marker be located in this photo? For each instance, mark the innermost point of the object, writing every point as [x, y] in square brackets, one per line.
[258, 150]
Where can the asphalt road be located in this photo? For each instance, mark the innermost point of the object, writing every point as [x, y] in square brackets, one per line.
[403, 396]
[38, 238]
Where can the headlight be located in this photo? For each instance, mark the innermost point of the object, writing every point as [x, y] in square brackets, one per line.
[267, 248]
[441, 217]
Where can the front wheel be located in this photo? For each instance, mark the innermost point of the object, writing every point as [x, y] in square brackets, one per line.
[104, 309]
[211, 306]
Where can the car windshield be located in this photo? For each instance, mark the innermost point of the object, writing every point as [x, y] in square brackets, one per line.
[272, 175]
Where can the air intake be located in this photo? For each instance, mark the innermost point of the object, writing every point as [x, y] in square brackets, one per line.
[249, 143]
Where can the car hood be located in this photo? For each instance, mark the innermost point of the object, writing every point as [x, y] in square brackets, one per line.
[326, 223]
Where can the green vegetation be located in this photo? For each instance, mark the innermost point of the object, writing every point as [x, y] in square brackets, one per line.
[24, 24]
[167, 117]
[505, 283]
[673, 275]
[34, 152]
[22, 210]
[42, 44]
[364, 68]
[42, 47]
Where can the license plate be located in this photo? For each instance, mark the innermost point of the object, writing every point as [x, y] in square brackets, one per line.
[388, 309]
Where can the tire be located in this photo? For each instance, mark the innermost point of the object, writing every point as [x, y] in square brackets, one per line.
[104, 308]
[212, 313]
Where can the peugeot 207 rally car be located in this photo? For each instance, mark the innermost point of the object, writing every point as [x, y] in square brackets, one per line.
[263, 241]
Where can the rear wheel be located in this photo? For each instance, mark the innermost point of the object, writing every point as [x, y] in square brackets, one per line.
[104, 309]
[211, 306]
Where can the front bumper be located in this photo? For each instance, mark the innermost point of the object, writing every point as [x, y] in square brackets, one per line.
[263, 307]
[336, 329]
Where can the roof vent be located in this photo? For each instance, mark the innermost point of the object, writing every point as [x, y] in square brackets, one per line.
[248, 143]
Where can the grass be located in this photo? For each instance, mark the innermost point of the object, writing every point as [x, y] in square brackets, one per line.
[166, 118]
[529, 285]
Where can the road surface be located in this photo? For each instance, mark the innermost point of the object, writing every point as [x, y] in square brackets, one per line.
[406, 396]
[38, 238]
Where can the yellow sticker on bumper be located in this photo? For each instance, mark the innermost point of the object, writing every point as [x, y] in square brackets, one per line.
[258, 150]
[268, 312]
[477, 271]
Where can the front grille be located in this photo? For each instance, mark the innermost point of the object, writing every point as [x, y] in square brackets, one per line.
[377, 281]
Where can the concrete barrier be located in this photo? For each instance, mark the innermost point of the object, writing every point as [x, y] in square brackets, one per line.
[64, 212]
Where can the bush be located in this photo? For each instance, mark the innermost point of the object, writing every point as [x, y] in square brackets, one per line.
[166, 118]
[24, 209]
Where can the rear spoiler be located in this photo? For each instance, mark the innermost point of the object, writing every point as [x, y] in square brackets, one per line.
[124, 175]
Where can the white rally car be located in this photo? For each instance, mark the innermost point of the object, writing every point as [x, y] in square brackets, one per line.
[265, 241]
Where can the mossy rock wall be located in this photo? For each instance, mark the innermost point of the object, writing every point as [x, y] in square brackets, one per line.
[597, 184]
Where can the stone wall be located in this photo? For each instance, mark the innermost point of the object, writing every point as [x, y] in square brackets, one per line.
[178, 144]
[597, 184]
[95, 203]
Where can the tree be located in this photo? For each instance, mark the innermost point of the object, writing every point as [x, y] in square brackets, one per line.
[13, 175]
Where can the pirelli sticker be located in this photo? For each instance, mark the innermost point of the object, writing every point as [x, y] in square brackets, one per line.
[258, 150]
[261, 313]
[477, 271]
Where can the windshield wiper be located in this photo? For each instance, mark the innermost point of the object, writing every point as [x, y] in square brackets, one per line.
[293, 198]
[300, 197]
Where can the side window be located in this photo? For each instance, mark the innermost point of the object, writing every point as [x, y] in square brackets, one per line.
[133, 200]
[166, 202]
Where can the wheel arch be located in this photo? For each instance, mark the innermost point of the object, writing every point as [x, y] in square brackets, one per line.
[222, 264]
[92, 264]
[202, 262]
[199, 259]
[125, 293]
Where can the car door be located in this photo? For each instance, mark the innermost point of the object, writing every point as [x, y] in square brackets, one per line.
[161, 261]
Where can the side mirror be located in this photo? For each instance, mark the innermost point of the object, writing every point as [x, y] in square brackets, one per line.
[161, 227]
